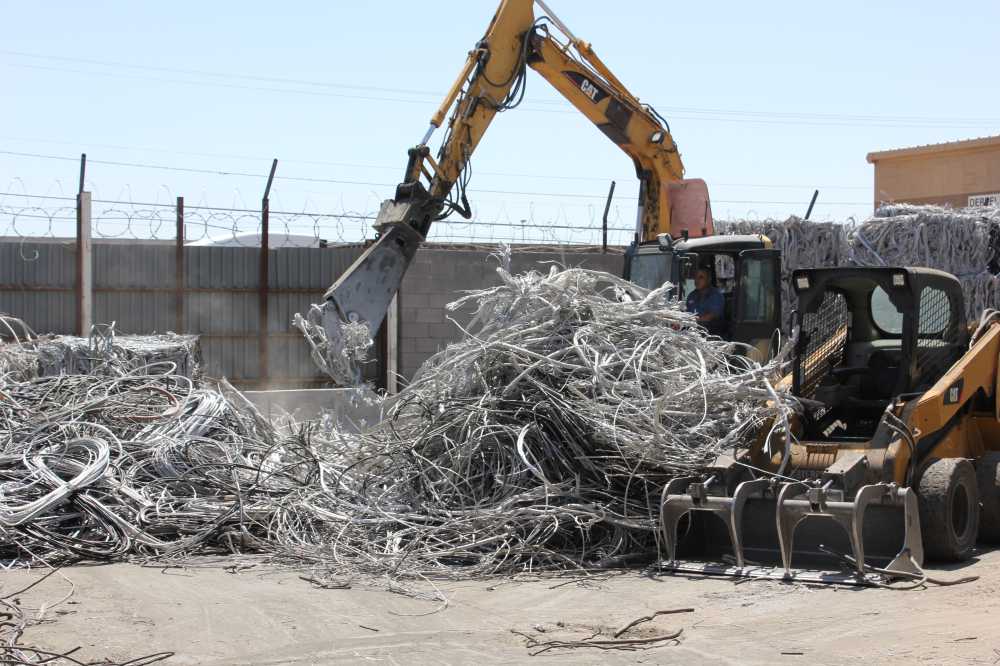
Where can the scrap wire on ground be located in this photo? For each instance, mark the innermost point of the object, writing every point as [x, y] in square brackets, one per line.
[14, 621]
[540, 441]
[543, 639]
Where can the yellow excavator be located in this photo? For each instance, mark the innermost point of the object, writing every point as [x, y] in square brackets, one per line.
[674, 227]
[892, 455]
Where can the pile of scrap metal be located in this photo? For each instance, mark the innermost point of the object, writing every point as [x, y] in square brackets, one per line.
[543, 440]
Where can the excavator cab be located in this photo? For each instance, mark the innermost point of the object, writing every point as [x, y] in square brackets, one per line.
[744, 268]
[890, 450]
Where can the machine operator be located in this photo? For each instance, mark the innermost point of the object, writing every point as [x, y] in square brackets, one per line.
[707, 302]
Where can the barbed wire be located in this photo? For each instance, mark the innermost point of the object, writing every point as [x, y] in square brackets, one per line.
[29, 216]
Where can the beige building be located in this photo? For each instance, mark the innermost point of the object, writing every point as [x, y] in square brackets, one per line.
[960, 173]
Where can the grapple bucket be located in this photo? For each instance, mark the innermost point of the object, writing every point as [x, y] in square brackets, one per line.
[781, 529]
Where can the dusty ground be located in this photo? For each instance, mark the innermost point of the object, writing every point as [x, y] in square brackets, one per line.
[211, 616]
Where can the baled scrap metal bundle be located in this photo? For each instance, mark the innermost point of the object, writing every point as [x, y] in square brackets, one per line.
[961, 241]
[964, 242]
[544, 438]
[802, 244]
[30, 355]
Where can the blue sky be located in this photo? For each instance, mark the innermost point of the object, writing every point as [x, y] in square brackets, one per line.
[766, 100]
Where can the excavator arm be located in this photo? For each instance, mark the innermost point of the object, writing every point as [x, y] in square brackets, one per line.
[492, 81]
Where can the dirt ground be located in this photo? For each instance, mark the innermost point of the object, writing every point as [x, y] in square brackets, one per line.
[262, 616]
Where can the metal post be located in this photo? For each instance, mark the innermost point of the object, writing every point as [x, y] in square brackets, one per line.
[265, 248]
[179, 269]
[811, 204]
[607, 208]
[83, 171]
[84, 265]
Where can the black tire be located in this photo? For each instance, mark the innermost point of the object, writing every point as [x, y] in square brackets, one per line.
[987, 471]
[949, 509]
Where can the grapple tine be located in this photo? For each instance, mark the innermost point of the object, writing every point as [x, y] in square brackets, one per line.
[671, 511]
[911, 555]
[673, 506]
[786, 521]
[866, 495]
[743, 492]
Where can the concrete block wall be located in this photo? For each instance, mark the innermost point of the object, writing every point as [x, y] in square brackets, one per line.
[437, 277]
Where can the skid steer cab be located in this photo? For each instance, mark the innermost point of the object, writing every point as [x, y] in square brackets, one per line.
[745, 269]
[890, 456]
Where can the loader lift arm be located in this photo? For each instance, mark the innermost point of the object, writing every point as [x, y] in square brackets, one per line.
[491, 81]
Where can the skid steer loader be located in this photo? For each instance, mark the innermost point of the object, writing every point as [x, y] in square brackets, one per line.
[892, 453]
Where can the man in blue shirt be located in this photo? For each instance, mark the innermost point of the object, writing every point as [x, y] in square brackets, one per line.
[707, 303]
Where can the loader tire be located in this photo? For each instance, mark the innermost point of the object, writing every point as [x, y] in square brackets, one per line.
[988, 477]
[949, 509]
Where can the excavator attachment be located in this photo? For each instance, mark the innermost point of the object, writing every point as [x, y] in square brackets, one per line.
[790, 530]
[364, 292]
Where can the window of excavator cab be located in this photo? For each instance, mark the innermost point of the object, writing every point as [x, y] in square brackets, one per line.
[721, 272]
[887, 317]
[757, 280]
[650, 271]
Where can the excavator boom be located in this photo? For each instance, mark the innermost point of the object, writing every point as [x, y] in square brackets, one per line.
[491, 81]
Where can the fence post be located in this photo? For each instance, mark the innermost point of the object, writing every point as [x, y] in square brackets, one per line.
[84, 258]
[265, 247]
[607, 209]
[179, 269]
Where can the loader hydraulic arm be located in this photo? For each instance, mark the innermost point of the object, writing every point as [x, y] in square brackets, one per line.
[491, 81]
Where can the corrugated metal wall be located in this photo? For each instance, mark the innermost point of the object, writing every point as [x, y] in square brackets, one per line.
[37, 279]
[134, 286]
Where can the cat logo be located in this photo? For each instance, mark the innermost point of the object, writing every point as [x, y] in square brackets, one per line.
[594, 92]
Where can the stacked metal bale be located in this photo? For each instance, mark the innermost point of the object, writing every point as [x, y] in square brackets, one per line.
[802, 244]
[53, 355]
[964, 242]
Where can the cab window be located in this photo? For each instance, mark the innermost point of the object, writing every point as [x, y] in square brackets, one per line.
[757, 292]
[887, 317]
[651, 270]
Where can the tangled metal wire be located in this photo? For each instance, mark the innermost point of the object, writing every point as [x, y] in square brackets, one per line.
[342, 360]
[541, 440]
[32, 355]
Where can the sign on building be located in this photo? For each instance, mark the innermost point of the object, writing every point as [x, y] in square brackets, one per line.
[985, 200]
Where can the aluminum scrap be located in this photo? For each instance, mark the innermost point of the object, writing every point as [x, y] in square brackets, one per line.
[541, 440]
[30, 355]
[964, 242]
[802, 244]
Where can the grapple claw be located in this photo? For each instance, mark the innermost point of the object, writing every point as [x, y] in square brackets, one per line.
[791, 510]
[675, 506]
